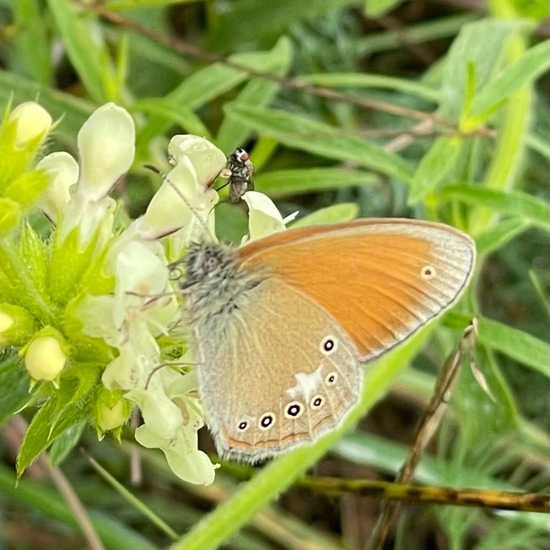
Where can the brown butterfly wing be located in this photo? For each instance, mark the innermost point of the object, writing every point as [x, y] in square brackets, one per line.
[282, 374]
[380, 279]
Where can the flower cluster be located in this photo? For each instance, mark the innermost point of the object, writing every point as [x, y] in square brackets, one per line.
[91, 310]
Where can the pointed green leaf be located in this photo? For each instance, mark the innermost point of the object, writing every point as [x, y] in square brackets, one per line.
[363, 80]
[79, 32]
[517, 344]
[436, 164]
[66, 407]
[299, 132]
[311, 180]
[376, 8]
[500, 235]
[257, 92]
[14, 384]
[514, 203]
[482, 415]
[480, 44]
[65, 443]
[342, 212]
[204, 86]
[533, 63]
[173, 113]
[31, 54]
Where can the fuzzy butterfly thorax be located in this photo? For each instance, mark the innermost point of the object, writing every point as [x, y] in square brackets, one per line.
[214, 282]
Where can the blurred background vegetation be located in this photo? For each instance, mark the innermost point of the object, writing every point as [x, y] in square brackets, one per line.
[435, 109]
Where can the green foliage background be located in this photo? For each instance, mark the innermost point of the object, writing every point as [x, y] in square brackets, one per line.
[380, 108]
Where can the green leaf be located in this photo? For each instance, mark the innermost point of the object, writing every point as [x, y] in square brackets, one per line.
[525, 70]
[31, 51]
[173, 113]
[34, 495]
[537, 9]
[376, 8]
[65, 443]
[14, 382]
[204, 86]
[231, 222]
[361, 80]
[66, 407]
[436, 164]
[311, 180]
[320, 139]
[413, 33]
[87, 54]
[517, 344]
[19, 285]
[500, 235]
[342, 212]
[252, 21]
[539, 286]
[538, 144]
[257, 92]
[480, 44]
[375, 452]
[481, 415]
[513, 203]
[73, 269]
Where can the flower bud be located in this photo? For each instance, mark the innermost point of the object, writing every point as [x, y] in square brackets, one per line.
[112, 410]
[45, 357]
[33, 123]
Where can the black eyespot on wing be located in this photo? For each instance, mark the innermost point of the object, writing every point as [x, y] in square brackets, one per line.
[294, 410]
[317, 402]
[266, 421]
[243, 426]
[328, 345]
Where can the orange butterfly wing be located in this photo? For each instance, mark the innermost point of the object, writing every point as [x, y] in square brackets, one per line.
[381, 279]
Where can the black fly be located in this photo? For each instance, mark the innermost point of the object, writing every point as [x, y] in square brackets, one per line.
[239, 171]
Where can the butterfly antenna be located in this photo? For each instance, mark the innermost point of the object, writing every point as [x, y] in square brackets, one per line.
[154, 169]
